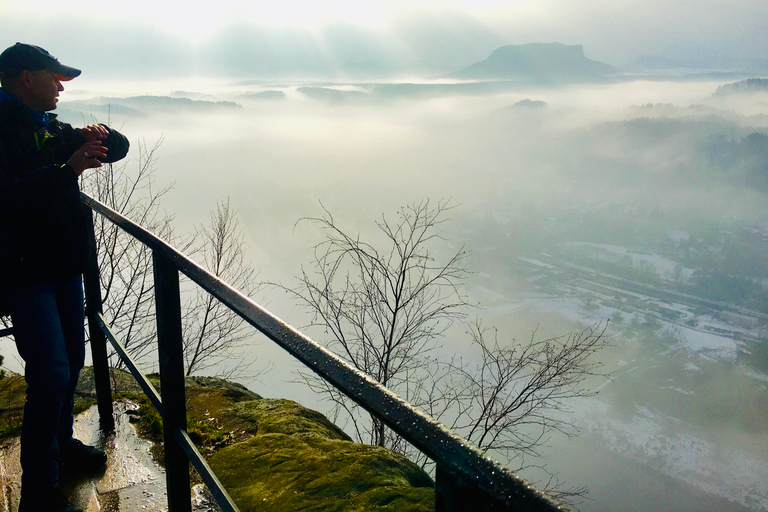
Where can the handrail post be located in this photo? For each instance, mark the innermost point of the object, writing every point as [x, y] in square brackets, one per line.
[92, 285]
[454, 494]
[171, 358]
[449, 493]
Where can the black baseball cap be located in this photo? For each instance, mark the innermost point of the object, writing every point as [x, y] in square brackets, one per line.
[20, 57]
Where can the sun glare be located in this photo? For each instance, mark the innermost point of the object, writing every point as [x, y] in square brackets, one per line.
[195, 21]
[302, 13]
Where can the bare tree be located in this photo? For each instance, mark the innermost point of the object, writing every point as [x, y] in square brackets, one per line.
[515, 396]
[125, 264]
[383, 311]
[212, 330]
[515, 392]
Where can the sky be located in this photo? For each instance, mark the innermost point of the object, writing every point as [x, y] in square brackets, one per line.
[238, 37]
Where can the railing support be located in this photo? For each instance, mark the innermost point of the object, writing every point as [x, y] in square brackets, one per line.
[455, 494]
[467, 479]
[171, 358]
[92, 285]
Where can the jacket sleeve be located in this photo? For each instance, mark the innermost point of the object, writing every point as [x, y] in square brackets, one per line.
[116, 143]
[31, 210]
[14, 189]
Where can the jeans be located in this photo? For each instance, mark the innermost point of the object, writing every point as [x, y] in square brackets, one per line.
[48, 323]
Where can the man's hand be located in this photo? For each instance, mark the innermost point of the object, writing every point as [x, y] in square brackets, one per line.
[87, 156]
[94, 132]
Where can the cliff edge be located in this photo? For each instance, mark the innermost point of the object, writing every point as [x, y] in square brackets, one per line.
[275, 455]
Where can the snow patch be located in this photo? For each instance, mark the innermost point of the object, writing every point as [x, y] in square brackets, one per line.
[652, 439]
[702, 341]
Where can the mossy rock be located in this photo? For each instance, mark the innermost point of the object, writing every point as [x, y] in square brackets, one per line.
[276, 455]
[122, 383]
[297, 461]
[268, 416]
[13, 394]
[208, 396]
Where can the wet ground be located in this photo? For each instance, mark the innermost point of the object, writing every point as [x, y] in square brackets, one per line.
[133, 481]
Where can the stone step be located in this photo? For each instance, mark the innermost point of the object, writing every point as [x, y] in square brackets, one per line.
[133, 481]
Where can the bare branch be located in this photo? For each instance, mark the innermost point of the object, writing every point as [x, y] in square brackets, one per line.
[382, 306]
[211, 331]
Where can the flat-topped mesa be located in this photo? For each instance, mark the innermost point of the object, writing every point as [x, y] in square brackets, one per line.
[538, 62]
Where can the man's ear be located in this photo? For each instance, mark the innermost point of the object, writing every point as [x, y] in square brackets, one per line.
[24, 80]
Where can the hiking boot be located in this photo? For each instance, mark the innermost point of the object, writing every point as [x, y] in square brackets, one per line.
[48, 500]
[80, 457]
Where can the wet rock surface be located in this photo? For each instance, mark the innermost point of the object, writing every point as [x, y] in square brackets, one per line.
[132, 481]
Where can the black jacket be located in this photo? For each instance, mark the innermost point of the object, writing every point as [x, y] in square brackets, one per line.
[42, 225]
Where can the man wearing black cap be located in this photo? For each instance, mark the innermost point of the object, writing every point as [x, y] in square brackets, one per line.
[42, 256]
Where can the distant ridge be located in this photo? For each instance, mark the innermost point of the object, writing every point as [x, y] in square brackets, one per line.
[539, 62]
[146, 105]
[745, 86]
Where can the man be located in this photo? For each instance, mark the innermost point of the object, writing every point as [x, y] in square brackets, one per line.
[43, 253]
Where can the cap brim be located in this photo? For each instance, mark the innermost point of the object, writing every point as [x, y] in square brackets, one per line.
[66, 73]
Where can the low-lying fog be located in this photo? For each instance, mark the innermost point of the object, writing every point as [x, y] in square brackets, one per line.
[364, 152]
[650, 182]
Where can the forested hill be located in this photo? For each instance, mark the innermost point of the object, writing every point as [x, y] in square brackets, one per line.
[745, 86]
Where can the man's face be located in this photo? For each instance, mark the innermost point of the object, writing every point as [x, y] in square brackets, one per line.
[44, 89]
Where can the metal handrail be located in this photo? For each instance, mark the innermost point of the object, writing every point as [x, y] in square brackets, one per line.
[143, 381]
[193, 454]
[464, 473]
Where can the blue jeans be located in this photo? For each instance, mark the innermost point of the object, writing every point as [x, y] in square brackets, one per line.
[48, 323]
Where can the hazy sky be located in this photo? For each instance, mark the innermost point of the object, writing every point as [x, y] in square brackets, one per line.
[233, 36]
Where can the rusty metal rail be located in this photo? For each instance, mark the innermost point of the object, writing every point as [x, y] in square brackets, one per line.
[466, 478]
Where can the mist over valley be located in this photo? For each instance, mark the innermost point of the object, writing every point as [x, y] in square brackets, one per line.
[589, 196]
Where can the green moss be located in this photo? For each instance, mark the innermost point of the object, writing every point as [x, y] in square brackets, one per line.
[12, 396]
[275, 455]
[287, 417]
[298, 460]
[206, 432]
[82, 405]
[151, 422]
[278, 472]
